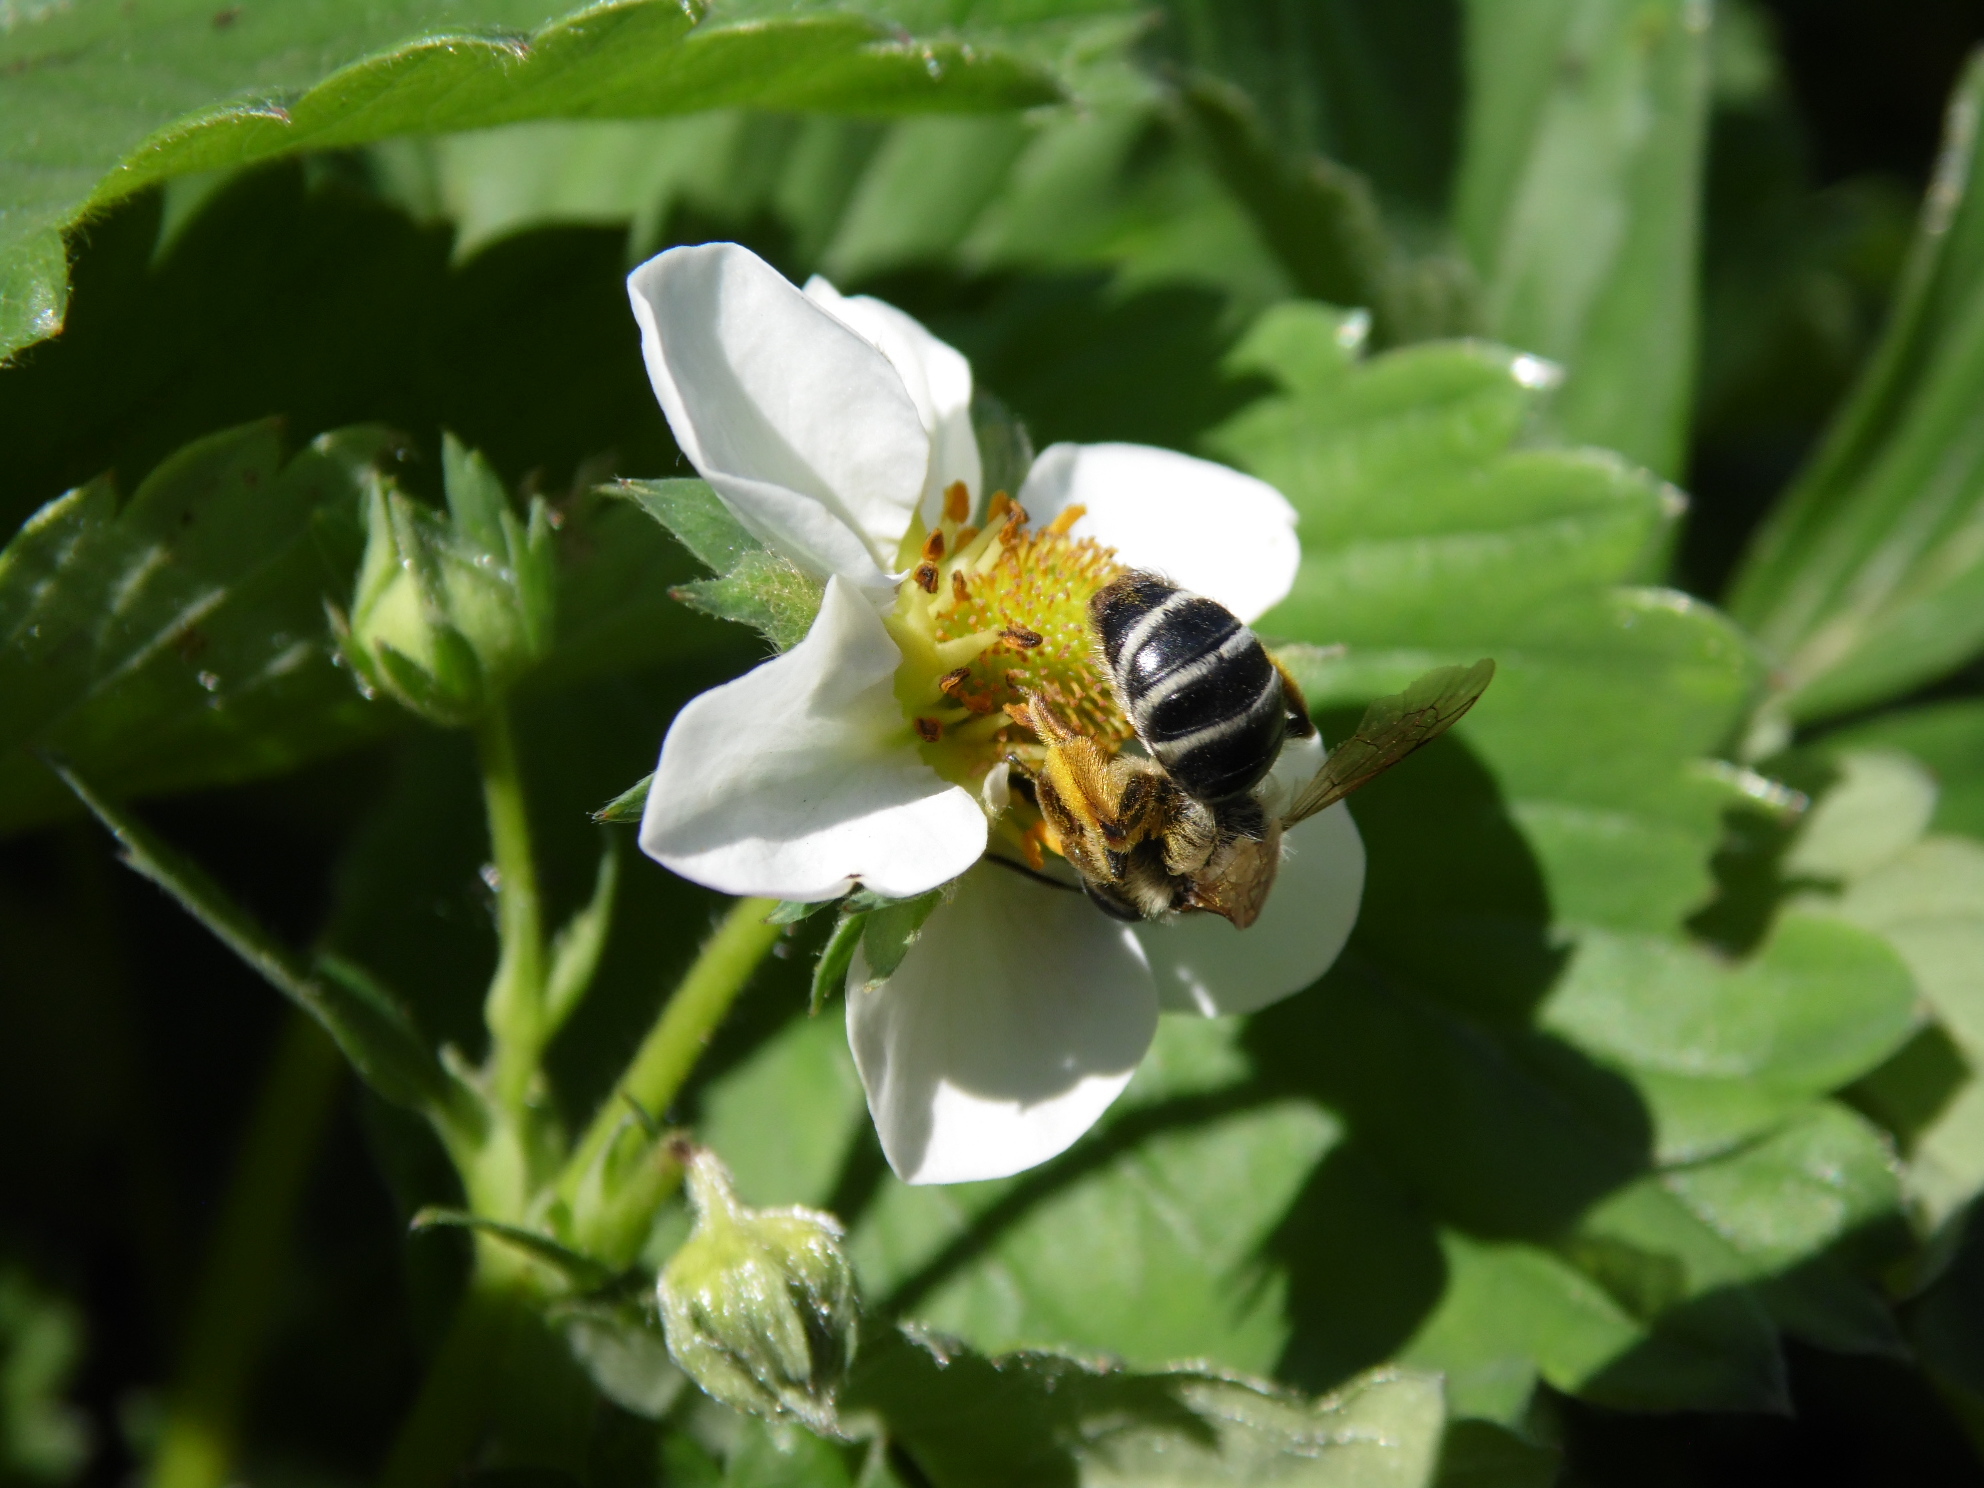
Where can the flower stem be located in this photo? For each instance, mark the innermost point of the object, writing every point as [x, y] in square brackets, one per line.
[514, 1008]
[654, 1077]
[200, 1445]
[454, 1397]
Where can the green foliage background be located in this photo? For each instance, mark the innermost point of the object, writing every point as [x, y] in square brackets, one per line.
[1647, 1086]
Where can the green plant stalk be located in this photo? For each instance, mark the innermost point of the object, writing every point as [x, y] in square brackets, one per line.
[453, 1402]
[655, 1074]
[514, 1009]
[200, 1447]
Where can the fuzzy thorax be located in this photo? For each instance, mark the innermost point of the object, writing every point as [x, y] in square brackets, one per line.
[990, 615]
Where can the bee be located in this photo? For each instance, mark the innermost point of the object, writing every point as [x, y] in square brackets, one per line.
[1185, 826]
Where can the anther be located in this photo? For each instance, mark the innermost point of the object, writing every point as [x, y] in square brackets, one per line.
[1001, 504]
[1069, 515]
[926, 577]
[960, 591]
[957, 501]
[933, 546]
[965, 534]
[929, 730]
[1020, 636]
[951, 681]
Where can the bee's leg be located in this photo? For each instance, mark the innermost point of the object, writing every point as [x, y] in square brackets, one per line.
[1076, 790]
[1300, 725]
[1190, 835]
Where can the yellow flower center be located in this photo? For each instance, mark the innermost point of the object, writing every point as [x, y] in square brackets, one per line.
[989, 616]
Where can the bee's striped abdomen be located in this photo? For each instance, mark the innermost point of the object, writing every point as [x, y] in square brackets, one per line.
[1195, 683]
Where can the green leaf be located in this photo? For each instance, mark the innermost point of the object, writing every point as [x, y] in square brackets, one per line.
[1928, 902]
[1318, 216]
[1146, 1244]
[1426, 540]
[180, 641]
[754, 586]
[1948, 739]
[1577, 201]
[34, 288]
[1865, 580]
[374, 1032]
[136, 100]
[1721, 1052]
[967, 1420]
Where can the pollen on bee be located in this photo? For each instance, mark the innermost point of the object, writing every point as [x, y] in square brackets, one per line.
[957, 502]
[929, 730]
[1033, 842]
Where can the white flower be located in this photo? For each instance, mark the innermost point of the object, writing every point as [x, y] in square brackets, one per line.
[838, 430]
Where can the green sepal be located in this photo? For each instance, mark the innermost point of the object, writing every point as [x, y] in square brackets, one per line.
[765, 591]
[583, 1272]
[695, 515]
[753, 585]
[792, 911]
[628, 805]
[1005, 448]
[890, 930]
[830, 971]
[577, 947]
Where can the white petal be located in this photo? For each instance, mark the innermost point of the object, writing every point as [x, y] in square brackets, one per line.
[1010, 1026]
[1204, 965]
[1206, 527]
[936, 375]
[802, 426]
[801, 777]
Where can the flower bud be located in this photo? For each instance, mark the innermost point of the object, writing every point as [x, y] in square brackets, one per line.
[759, 1305]
[450, 611]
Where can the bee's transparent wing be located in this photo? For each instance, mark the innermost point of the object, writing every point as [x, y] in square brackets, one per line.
[1392, 728]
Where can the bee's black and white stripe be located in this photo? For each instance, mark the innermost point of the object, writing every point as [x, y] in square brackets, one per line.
[1195, 683]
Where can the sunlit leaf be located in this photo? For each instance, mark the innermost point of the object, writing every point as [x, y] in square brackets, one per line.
[112, 101]
[1866, 579]
[1576, 199]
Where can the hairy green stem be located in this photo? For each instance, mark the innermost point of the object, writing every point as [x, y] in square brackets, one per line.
[515, 1006]
[453, 1404]
[454, 1398]
[673, 1045]
[231, 1311]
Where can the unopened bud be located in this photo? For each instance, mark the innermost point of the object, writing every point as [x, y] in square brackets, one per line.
[450, 611]
[759, 1305]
